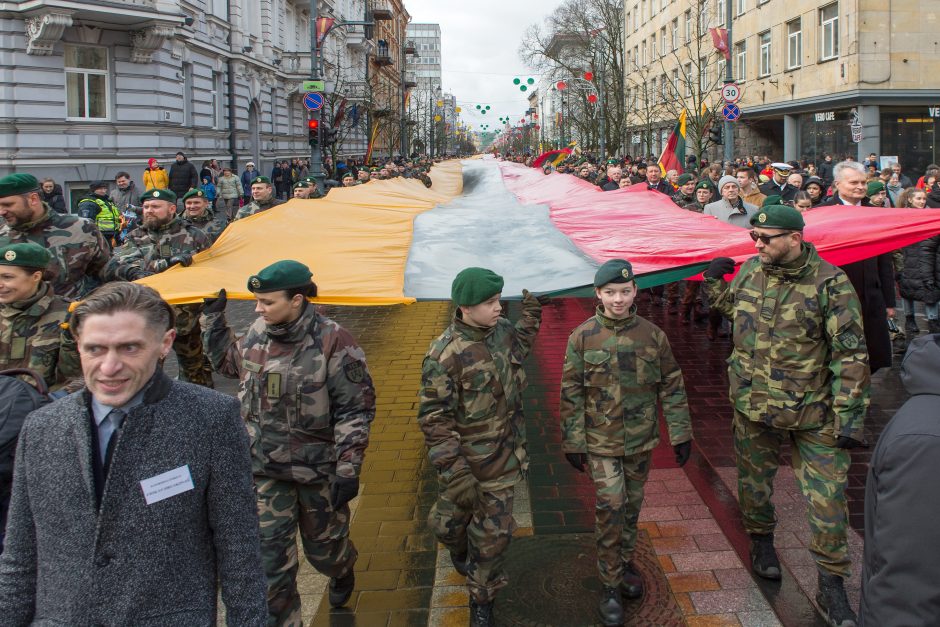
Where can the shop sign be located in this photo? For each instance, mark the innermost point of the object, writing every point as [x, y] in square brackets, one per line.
[825, 116]
[933, 112]
[855, 125]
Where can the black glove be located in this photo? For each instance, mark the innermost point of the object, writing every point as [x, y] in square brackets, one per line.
[183, 259]
[343, 490]
[719, 267]
[577, 460]
[682, 451]
[215, 305]
[136, 273]
[847, 443]
[542, 299]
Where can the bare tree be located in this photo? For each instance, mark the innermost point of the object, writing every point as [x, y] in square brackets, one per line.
[584, 36]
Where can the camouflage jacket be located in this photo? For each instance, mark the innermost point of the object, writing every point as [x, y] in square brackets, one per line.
[471, 399]
[799, 358]
[615, 373]
[149, 250]
[306, 394]
[31, 336]
[210, 223]
[79, 252]
[257, 207]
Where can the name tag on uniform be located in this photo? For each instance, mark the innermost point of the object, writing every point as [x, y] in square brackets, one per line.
[167, 484]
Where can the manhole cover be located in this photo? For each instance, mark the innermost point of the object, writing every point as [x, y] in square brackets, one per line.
[553, 582]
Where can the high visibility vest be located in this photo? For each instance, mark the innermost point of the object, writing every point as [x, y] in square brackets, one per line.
[109, 218]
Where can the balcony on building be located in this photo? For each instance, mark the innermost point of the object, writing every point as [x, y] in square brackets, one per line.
[357, 38]
[381, 10]
[295, 63]
[382, 56]
[410, 47]
[410, 80]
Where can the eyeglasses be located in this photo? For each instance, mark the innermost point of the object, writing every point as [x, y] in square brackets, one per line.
[766, 238]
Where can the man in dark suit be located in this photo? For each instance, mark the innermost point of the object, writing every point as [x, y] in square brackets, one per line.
[132, 499]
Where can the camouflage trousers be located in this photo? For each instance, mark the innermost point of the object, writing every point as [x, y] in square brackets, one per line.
[283, 506]
[821, 471]
[193, 363]
[618, 483]
[484, 534]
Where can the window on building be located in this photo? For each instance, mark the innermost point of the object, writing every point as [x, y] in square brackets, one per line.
[636, 56]
[216, 95]
[653, 90]
[653, 46]
[662, 42]
[86, 82]
[675, 83]
[829, 35]
[675, 34]
[703, 18]
[643, 12]
[688, 78]
[741, 7]
[220, 9]
[740, 61]
[764, 39]
[722, 67]
[653, 7]
[629, 19]
[722, 11]
[794, 43]
[636, 14]
[664, 88]
[688, 27]
[703, 83]
[643, 49]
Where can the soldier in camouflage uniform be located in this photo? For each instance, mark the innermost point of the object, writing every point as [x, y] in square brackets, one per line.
[798, 372]
[197, 213]
[618, 367]
[471, 415]
[262, 198]
[308, 401]
[79, 252]
[161, 241]
[32, 318]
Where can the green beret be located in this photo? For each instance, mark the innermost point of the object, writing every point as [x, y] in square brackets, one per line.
[348, 175]
[706, 184]
[280, 275]
[25, 255]
[472, 286]
[194, 193]
[304, 184]
[613, 271]
[773, 199]
[778, 217]
[613, 161]
[261, 179]
[158, 194]
[684, 178]
[874, 187]
[14, 184]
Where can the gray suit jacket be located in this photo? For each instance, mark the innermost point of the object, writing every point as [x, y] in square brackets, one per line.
[722, 210]
[67, 562]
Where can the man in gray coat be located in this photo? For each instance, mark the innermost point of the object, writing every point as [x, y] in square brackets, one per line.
[132, 499]
[731, 208]
[902, 502]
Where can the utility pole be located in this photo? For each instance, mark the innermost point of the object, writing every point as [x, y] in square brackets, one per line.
[729, 78]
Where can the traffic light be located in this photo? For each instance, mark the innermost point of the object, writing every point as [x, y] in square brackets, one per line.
[313, 132]
[329, 135]
[714, 134]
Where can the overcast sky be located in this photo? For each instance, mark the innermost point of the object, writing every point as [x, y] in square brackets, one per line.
[480, 42]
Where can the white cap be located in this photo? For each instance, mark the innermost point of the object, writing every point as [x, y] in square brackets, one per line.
[250, 163]
[781, 166]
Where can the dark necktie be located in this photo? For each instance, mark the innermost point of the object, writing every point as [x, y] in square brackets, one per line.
[117, 419]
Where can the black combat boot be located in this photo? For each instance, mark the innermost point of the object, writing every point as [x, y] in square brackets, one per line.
[833, 602]
[764, 559]
[910, 326]
[610, 608]
[459, 562]
[933, 326]
[631, 586]
[341, 589]
[481, 614]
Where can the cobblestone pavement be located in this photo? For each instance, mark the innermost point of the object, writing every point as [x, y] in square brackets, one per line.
[689, 514]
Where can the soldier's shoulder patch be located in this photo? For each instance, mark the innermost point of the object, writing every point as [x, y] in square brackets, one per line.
[849, 339]
[355, 371]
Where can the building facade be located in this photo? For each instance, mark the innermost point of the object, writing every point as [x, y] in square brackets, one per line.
[387, 76]
[93, 88]
[425, 66]
[845, 78]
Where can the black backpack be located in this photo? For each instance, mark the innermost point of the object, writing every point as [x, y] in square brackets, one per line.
[17, 399]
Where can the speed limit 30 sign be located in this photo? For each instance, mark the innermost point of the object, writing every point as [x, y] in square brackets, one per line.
[731, 92]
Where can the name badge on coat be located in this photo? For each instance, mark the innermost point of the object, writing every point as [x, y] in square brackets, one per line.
[167, 484]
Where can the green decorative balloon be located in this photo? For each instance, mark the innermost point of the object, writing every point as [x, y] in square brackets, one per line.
[487, 107]
[516, 81]
[531, 81]
[523, 88]
[483, 112]
[478, 106]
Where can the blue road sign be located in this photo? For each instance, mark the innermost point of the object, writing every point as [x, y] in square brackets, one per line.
[313, 101]
[731, 111]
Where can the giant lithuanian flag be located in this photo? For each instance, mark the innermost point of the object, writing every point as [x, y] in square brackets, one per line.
[673, 155]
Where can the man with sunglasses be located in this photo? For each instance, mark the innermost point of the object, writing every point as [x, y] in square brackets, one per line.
[798, 372]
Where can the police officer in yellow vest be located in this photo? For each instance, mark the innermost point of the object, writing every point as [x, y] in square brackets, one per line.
[98, 207]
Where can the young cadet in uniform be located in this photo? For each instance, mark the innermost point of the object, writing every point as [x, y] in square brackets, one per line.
[308, 401]
[618, 367]
[31, 318]
[798, 373]
[471, 415]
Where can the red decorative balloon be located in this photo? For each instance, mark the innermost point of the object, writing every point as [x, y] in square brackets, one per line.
[589, 76]
[561, 85]
[592, 98]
